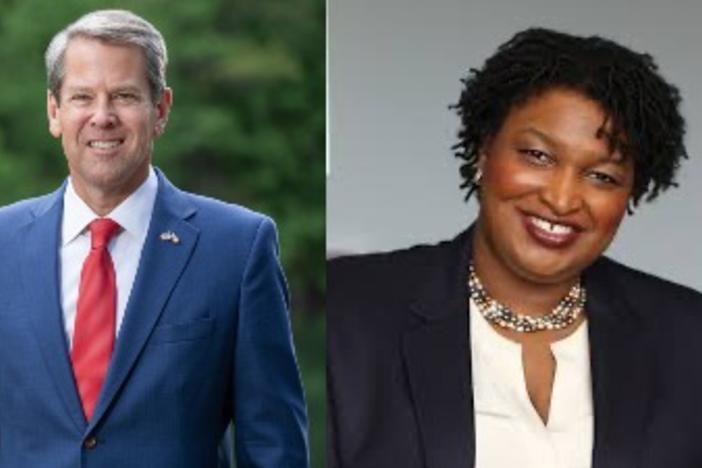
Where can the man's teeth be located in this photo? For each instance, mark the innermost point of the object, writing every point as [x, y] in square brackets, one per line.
[551, 227]
[104, 144]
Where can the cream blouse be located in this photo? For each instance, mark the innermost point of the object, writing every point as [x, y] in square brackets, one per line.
[509, 431]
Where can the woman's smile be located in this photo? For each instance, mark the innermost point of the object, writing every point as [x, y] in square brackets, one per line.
[553, 191]
[550, 234]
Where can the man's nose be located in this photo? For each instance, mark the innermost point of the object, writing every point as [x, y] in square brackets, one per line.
[104, 114]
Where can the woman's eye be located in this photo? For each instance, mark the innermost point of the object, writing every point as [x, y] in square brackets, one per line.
[536, 156]
[604, 178]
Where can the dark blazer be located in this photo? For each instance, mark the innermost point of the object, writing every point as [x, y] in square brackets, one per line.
[399, 377]
[205, 340]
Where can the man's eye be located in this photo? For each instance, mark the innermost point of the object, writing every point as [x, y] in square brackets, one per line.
[126, 97]
[80, 97]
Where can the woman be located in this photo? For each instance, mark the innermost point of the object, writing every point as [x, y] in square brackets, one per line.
[517, 344]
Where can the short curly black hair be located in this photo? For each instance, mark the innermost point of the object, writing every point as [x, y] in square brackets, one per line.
[641, 106]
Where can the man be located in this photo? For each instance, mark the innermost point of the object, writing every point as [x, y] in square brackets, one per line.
[137, 321]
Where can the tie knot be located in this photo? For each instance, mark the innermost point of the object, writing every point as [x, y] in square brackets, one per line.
[101, 231]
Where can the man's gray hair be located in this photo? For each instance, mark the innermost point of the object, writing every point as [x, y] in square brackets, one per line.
[119, 27]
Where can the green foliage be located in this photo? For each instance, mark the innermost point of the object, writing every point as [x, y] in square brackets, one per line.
[310, 343]
[247, 125]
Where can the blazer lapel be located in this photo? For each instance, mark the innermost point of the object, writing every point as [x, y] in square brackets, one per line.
[161, 264]
[39, 270]
[620, 360]
[437, 355]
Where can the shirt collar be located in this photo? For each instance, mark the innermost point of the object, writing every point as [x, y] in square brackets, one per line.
[133, 214]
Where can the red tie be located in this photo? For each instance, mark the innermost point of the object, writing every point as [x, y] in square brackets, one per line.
[94, 333]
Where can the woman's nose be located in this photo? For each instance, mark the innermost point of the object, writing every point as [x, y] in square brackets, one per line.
[562, 193]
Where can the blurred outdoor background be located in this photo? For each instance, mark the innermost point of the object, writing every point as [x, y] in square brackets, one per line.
[247, 126]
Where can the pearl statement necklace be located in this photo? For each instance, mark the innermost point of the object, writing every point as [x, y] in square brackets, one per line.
[564, 314]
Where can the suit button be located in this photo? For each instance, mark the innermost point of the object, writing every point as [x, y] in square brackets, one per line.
[90, 443]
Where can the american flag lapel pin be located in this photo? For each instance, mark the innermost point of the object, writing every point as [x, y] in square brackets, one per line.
[169, 236]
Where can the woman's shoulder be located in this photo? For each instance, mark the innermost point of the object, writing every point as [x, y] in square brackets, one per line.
[382, 273]
[405, 263]
[632, 278]
[374, 291]
[650, 294]
[400, 263]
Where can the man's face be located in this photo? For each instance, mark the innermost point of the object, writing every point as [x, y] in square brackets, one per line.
[106, 118]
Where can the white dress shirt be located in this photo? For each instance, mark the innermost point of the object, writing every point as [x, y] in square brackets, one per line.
[509, 431]
[133, 215]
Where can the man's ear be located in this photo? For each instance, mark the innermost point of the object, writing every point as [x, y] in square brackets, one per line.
[163, 108]
[52, 110]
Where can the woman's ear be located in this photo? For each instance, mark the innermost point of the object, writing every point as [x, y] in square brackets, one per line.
[480, 163]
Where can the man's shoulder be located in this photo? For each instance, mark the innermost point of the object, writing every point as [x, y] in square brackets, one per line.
[221, 223]
[206, 212]
[226, 214]
[19, 213]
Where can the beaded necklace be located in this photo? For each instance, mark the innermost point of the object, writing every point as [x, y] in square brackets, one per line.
[564, 314]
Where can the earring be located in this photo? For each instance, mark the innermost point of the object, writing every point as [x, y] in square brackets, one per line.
[477, 177]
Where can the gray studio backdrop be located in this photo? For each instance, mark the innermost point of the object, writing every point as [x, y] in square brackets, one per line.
[394, 67]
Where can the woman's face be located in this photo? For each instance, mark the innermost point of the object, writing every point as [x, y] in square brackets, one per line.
[552, 193]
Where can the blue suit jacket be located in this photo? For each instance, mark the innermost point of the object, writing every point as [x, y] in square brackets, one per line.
[205, 341]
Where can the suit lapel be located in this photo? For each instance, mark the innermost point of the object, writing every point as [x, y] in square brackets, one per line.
[161, 264]
[620, 360]
[437, 356]
[39, 270]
